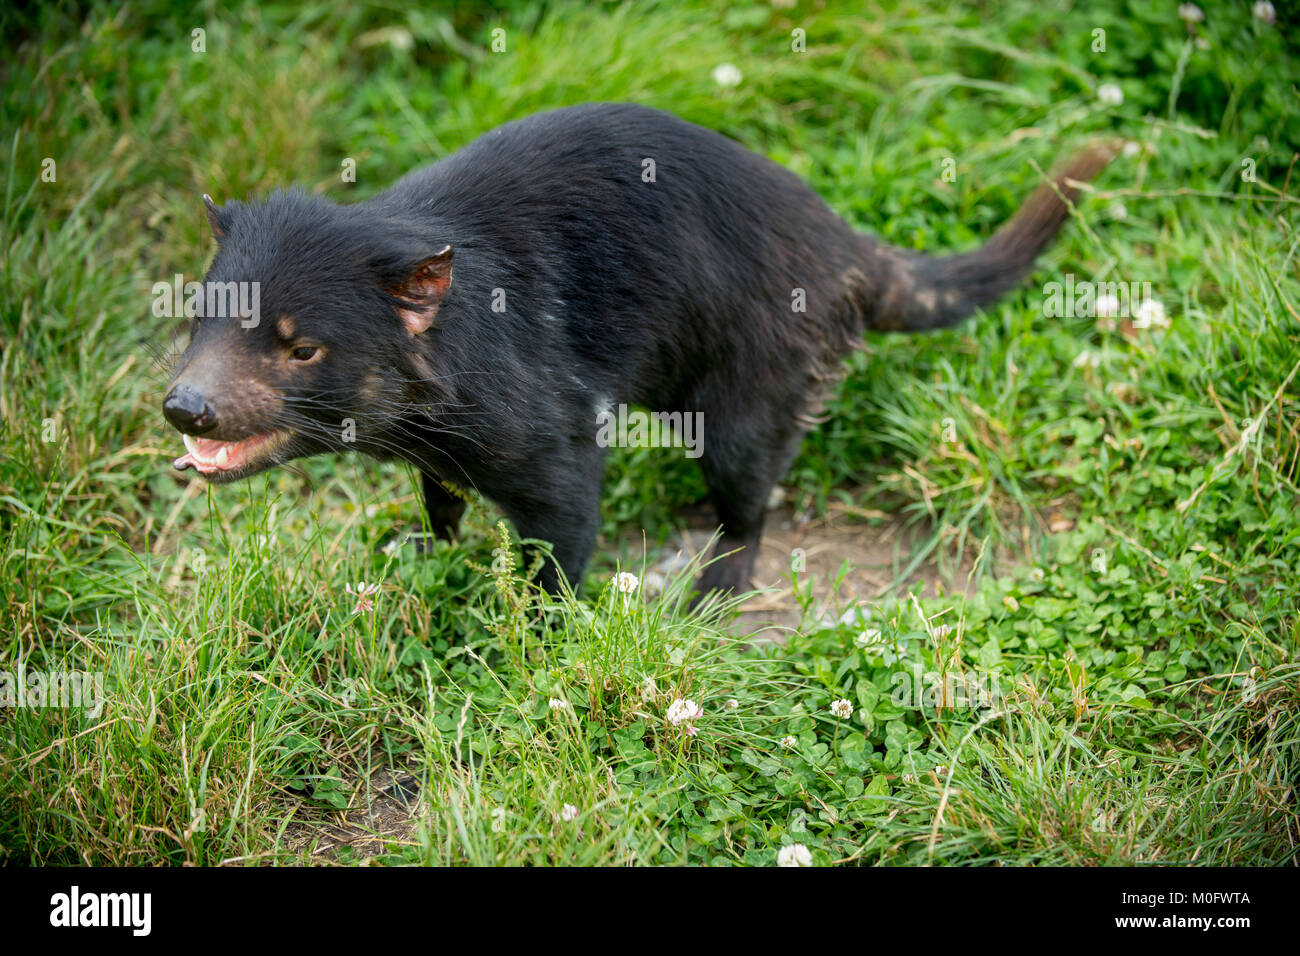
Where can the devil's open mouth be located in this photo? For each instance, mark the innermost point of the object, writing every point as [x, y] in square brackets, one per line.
[227, 460]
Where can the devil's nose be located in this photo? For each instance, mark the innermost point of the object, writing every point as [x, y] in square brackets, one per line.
[187, 409]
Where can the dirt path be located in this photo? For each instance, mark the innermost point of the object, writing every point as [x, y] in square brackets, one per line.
[876, 547]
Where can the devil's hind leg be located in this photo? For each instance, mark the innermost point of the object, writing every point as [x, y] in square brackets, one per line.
[745, 454]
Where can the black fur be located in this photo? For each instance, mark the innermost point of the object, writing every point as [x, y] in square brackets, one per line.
[676, 294]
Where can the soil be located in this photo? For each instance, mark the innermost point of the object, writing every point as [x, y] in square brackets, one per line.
[873, 548]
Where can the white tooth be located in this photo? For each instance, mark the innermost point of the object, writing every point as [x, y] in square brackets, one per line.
[191, 444]
[222, 455]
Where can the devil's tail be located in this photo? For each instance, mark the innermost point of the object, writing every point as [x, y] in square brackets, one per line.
[919, 292]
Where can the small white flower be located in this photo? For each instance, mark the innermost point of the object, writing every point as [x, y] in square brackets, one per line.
[788, 742]
[1263, 10]
[680, 711]
[796, 854]
[1118, 210]
[626, 582]
[942, 631]
[364, 593]
[727, 75]
[868, 637]
[731, 704]
[842, 708]
[498, 819]
[909, 778]
[1132, 148]
[1110, 94]
[1151, 315]
[557, 703]
[568, 813]
[1107, 306]
[1038, 576]
[1191, 12]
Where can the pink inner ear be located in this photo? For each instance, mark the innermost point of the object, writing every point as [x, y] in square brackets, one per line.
[427, 287]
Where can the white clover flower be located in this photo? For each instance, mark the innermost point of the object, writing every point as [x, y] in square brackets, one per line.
[626, 582]
[1038, 575]
[1151, 315]
[568, 813]
[942, 631]
[1107, 306]
[1190, 12]
[727, 75]
[842, 708]
[1263, 10]
[1110, 94]
[868, 637]
[558, 703]
[681, 711]
[788, 742]
[498, 819]
[796, 854]
[1118, 210]
[909, 778]
[1132, 148]
[364, 593]
[731, 704]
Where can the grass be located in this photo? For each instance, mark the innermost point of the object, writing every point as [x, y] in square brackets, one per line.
[1131, 494]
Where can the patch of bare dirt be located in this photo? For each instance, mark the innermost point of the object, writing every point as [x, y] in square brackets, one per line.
[876, 546]
[384, 811]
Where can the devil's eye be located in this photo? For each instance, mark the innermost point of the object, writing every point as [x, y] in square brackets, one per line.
[305, 353]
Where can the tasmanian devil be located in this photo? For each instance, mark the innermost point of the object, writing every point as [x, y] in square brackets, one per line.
[478, 317]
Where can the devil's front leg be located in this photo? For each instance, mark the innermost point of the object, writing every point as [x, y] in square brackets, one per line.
[557, 500]
[444, 508]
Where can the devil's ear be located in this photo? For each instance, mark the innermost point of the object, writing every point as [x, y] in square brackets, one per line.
[422, 292]
[214, 217]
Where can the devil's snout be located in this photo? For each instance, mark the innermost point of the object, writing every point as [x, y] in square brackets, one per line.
[188, 410]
